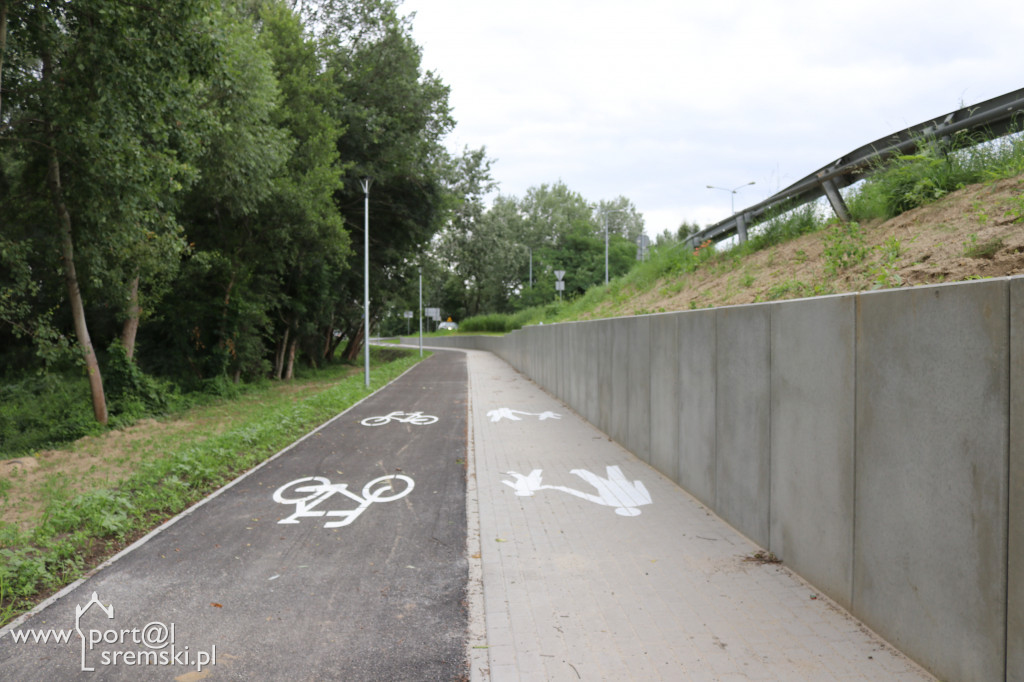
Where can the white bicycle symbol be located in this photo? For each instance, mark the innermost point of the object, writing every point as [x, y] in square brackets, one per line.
[316, 489]
[417, 418]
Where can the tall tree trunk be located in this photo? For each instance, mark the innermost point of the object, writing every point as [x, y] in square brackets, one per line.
[131, 323]
[290, 371]
[279, 355]
[328, 341]
[3, 46]
[99, 400]
[332, 344]
[354, 345]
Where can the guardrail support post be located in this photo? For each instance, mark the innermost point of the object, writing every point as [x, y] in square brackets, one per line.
[741, 227]
[836, 199]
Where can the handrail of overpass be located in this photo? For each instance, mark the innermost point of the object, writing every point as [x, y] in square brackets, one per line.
[994, 118]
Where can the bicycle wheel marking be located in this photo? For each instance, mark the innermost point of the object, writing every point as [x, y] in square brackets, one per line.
[313, 491]
[415, 418]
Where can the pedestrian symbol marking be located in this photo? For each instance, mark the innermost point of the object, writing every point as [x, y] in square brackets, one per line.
[613, 491]
[312, 491]
[508, 413]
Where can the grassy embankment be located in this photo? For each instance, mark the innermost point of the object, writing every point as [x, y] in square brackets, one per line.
[924, 219]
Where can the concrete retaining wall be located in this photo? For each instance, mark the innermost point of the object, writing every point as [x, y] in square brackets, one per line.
[874, 442]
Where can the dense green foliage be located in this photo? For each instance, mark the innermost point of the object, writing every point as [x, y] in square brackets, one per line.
[911, 181]
[181, 195]
[502, 258]
[185, 196]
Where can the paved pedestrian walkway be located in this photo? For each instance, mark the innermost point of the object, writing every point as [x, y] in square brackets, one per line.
[587, 564]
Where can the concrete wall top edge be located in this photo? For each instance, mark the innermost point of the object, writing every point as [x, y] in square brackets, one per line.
[602, 320]
[944, 285]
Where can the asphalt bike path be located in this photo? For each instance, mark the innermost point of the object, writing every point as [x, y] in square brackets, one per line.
[342, 558]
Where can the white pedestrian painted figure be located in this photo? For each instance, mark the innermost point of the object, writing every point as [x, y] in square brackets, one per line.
[614, 491]
[508, 413]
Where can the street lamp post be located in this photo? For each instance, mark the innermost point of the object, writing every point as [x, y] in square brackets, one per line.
[421, 311]
[365, 183]
[732, 193]
[604, 214]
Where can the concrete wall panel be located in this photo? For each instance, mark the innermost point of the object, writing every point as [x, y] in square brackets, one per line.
[603, 355]
[620, 339]
[588, 343]
[813, 414]
[1015, 596]
[742, 425]
[697, 362]
[664, 394]
[638, 428]
[931, 474]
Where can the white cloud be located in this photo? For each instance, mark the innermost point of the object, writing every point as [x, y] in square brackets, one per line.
[654, 100]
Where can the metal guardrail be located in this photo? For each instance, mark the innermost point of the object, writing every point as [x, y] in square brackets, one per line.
[995, 117]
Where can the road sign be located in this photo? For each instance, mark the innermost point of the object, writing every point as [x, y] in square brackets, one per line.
[559, 286]
[559, 274]
[407, 314]
[433, 313]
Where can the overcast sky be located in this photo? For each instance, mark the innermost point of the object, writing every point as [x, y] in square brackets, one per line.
[656, 99]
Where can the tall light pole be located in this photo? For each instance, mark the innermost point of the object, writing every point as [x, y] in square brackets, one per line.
[421, 311]
[365, 183]
[732, 193]
[604, 214]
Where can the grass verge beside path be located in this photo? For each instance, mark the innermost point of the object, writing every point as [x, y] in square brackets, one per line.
[60, 520]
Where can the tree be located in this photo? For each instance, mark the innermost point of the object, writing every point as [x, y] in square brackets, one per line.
[394, 117]
[95, 96]
[479, 248]
[229, 285]
[312, 244]
[576, 241]
[623, 218]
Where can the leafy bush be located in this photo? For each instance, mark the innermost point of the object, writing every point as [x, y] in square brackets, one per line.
[131, 391]
[783, 227]
[502, 323]
[915, 180]
[845, 246]
[42, 410]
[497, 323]
[100, 513]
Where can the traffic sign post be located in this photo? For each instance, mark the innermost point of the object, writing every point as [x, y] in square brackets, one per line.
[434, 314]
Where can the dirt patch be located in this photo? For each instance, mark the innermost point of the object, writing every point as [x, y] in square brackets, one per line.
[93, 461]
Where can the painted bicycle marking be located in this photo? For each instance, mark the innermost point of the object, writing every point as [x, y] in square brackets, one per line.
[613, 491]
[417, 418]
[508, 413]
[315, 490]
